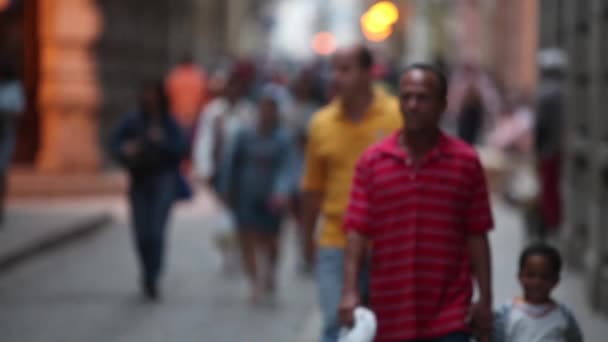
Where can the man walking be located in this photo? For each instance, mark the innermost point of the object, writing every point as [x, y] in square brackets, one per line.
[338, 134]
[420, 198]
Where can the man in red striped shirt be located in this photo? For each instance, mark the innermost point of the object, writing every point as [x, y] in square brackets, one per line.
[420, 198]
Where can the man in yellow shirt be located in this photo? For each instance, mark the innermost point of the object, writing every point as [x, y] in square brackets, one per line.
[338, 134]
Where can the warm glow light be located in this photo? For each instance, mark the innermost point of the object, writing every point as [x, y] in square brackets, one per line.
[387, 10]
[324, 43]
[377, 22]
[4, 4]
[378, 36]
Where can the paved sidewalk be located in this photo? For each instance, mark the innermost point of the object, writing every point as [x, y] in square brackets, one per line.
[34, 227]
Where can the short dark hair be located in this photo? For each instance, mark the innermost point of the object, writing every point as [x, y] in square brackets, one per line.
[365, 57]
[544, 250]
[439, 74]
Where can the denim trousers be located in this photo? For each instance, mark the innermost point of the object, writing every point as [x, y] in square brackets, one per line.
[151, 201]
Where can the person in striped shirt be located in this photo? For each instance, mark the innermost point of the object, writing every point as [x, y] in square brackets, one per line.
[420, 198]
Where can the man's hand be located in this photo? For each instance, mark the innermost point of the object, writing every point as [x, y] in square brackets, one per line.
[348, 304]
[481, 318]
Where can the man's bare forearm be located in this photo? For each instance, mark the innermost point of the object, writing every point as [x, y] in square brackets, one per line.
[356, 249]
[311, 206]
[479, 249]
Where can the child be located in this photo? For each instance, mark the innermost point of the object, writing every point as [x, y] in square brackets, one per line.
[537, 317]
[255, 182]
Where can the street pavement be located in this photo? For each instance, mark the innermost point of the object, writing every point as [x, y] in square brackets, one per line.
[88, 290]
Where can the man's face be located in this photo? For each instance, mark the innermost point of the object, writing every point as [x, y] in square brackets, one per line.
[420, 101]
[346, 72]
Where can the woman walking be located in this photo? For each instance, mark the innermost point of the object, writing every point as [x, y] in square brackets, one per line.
[255, 182]
[150, 144]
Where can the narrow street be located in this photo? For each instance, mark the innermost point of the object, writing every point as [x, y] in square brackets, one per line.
[88, 291]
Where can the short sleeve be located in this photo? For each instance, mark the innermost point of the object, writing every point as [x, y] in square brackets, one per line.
[478, 214]
[358, 215]
[573, 331]
[314, 176]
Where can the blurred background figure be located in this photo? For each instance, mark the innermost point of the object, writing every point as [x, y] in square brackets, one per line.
[187, 90]
[549, 137]
[470, 116]
[150, 145]
[473, 103]
[12, 103]
[305, 104]
[220, 122]
[255, 181]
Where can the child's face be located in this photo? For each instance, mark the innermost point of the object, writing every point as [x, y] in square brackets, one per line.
[537, 279]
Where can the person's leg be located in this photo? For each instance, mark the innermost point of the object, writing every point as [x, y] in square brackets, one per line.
[330, 262]
[140, 225]
[162, 199]
[269, 247]
[249, 259]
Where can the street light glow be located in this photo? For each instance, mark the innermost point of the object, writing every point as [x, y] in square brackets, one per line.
[377, 21]
[323, 43]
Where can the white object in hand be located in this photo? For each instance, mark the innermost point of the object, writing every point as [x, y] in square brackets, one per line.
[363, 329]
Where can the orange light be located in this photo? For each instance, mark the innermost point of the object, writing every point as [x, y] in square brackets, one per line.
[324, 43]
[378, 36]
[370, 23]
[386, 10]
[377, 22]
[4, 4]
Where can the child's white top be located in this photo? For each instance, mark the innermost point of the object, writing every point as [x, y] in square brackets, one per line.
[518, 321]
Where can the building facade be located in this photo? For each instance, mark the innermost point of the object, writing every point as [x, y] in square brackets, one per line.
[581, 28]
[83, 60]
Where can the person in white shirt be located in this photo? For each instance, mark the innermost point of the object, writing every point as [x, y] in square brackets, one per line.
[219, 124]
[536, 317]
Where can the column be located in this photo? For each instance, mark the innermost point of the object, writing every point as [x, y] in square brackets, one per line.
[69, 95]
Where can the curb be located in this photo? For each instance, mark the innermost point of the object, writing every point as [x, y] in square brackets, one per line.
[46, 244]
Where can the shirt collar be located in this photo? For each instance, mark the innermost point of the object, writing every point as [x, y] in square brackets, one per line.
[391, 146]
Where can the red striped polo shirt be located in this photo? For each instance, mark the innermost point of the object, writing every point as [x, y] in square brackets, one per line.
[419, 218]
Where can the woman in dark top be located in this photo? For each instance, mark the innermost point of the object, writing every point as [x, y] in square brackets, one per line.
[150, 145]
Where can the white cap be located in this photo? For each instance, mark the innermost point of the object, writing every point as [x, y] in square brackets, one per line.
[364, 328]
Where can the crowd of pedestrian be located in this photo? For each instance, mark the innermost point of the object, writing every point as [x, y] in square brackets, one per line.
[392, 212]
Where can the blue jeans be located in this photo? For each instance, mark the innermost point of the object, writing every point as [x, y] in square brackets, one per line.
[330, 270]
[151, 201]
[330, 267]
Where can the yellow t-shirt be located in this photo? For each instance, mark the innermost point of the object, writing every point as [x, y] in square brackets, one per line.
[335, 143]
